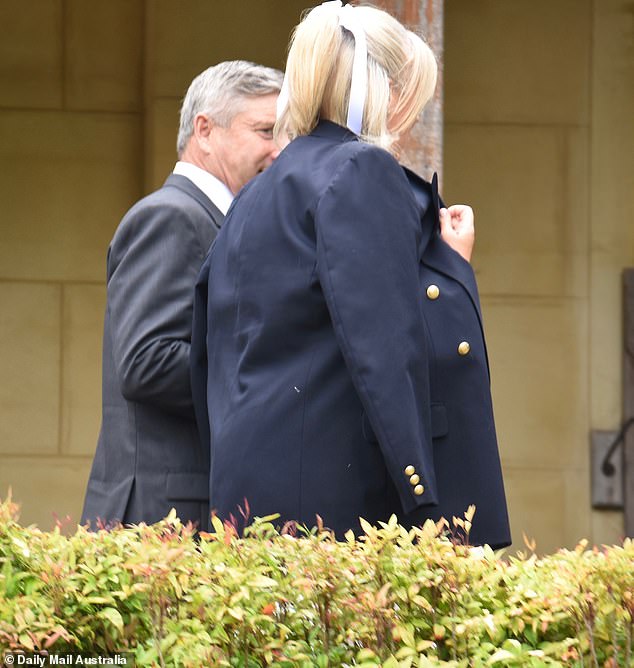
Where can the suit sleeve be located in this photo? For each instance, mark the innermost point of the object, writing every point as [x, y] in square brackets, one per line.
[152, 267]
[368, 233]
[198, 355]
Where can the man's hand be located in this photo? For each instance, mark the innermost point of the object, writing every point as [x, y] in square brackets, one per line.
[457, 229]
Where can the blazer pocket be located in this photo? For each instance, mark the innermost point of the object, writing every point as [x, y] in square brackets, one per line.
[187, 486]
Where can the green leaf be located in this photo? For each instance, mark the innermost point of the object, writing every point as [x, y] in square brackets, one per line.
[262, 582]
[405, 652]
[218, 526]
[365, 654]
[10, 583]
[236, 613]
[322, 661]
[98, 600]
[267, 518]
[501, 655]
[366, 526]
[512, 645]
[392, 662]
[424, 645]
[113, 616]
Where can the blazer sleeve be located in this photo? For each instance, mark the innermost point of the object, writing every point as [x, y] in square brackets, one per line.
[152, 267]
[368, 232]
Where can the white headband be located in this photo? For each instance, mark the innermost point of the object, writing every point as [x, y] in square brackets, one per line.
[359, 83]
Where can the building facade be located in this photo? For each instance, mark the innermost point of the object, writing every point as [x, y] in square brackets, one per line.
[538, 138]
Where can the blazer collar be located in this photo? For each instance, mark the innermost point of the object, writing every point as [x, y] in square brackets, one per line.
[425, 191]
[426, 196]
[184, 184]
[332, 131]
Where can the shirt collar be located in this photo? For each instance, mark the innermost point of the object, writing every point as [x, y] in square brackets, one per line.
[214, 188]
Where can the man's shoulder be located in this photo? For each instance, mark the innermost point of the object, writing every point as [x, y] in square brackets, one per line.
[176, 192]
[176, 200]
[167, 211]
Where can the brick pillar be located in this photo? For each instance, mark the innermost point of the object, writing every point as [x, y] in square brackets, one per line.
[422, 147]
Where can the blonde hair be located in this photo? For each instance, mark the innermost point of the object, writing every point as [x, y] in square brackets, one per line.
[401, 67]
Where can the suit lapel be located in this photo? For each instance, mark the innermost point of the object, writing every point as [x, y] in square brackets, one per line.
[184, 184]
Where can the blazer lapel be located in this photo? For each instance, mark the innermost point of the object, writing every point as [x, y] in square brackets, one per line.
[439, 256]
[426, 196]
[436, 253]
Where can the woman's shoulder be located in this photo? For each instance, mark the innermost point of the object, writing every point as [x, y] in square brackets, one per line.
[315, 165]
[369, 166]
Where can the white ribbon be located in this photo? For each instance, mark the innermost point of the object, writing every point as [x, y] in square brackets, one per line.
[359, 80]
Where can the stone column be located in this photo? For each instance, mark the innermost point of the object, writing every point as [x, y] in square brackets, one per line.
[422, 147]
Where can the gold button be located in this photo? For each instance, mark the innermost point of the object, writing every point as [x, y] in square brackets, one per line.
[464, 348]
[418, 490]
[415, 479]
[410, 470]
[433, 291]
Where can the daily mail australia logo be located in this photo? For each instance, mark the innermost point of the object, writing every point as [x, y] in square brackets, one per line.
[42, 660]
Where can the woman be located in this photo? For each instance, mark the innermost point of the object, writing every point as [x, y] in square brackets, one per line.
[335, 385]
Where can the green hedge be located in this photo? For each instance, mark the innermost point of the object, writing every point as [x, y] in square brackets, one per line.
[393, 598]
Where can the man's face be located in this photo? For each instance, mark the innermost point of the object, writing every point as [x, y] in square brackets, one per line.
[246, 147]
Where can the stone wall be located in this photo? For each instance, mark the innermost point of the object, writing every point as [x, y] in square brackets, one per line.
[537, 137]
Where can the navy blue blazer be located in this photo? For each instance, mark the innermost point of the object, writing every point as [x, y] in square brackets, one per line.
[333, 382]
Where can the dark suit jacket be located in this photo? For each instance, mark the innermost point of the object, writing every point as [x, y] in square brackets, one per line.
[149, 456]
[334, 385]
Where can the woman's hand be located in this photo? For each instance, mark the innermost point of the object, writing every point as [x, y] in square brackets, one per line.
[457, 229]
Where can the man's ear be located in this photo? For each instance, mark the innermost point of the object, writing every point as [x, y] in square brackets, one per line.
[203, 127]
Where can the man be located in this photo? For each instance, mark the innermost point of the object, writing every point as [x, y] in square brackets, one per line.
[149, 456]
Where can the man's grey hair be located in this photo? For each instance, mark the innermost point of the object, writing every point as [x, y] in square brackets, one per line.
[219, 92]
